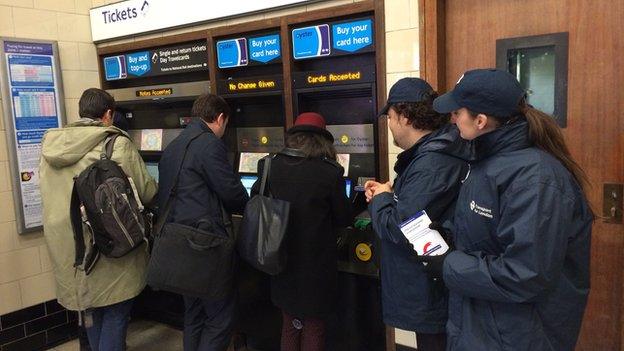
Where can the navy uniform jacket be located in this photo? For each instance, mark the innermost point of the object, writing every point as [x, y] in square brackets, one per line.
[519, 278]
[206, 178]
[428, 178]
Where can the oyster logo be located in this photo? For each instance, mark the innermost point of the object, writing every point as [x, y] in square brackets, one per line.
[480, 210]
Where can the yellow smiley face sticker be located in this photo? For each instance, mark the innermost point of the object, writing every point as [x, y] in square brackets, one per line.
[363, 252]
[264, 140]
[344, 139]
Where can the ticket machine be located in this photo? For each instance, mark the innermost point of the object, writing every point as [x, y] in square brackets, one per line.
[249, 77]
[334, 74]
[154, 89]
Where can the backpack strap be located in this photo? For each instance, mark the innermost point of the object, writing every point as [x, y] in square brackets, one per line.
[76, 222]
[85, 257]
[109, 143]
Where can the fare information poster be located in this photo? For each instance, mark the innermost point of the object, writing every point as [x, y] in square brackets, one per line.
[31, 91]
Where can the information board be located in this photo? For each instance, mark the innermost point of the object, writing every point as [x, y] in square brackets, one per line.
[32, 104]
[180, 58]
[248, 51]
[333, 39]
[265, 49]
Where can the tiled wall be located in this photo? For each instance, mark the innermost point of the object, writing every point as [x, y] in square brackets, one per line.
[25, 270]
[402, 60]
[402, 51]
[37, 327]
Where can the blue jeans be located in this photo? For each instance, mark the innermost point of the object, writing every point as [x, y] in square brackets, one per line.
[107, 331]
[208, 324]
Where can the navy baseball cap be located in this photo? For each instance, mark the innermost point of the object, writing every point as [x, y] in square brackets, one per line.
[489, 91]
[407, 90]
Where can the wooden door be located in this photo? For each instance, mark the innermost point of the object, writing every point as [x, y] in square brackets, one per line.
[465, 34]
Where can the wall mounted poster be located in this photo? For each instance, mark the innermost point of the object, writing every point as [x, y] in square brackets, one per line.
[32, 102]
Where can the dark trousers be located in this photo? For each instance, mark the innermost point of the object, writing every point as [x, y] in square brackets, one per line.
[431, 342]
[208, 324]
[302, 334]
[107, 326]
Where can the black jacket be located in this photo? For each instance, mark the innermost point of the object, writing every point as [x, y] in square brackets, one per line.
[319, 206]
[206, 179]
[519, 278]
[428, 178]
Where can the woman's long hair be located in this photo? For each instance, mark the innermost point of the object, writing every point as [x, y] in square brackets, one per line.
[546, 134]
[313, 145]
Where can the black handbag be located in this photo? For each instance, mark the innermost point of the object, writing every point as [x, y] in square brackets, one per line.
[262, 231]
[196, 262]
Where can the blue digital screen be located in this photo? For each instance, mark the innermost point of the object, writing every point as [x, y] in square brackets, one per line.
[352, 36]
[248, 182]
[232, 53]
[348, 187]
[115, 67]
[152, 169]
[264, 49]
[311, 41]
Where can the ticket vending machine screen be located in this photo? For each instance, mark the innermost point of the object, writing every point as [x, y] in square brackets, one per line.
[248, 182]
[152, 169]
[348, 187]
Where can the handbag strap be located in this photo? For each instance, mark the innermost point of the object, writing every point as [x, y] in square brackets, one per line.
[265, 173]
[174, 189]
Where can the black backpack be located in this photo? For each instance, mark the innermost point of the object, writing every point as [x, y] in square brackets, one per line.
[105, 201]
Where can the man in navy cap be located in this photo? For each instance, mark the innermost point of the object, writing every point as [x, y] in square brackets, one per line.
[428, 178]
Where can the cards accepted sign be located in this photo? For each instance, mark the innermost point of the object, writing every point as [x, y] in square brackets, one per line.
[131, 17]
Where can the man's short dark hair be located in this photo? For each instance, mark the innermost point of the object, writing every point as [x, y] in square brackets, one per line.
[421, 115]
[94, 103]
[209, 106]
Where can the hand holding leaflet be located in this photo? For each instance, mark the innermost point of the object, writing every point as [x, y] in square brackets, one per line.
[425, 238]
[426, 241]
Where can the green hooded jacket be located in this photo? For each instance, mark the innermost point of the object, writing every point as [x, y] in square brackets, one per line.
[65, 153]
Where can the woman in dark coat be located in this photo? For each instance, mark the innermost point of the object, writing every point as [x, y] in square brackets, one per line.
[307, 175]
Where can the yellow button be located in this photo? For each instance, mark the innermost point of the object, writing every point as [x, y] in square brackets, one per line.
[264, 140]
[344, 138]
[363, 252]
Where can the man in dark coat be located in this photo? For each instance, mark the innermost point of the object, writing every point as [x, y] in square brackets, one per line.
[428, 178]
[207, 181]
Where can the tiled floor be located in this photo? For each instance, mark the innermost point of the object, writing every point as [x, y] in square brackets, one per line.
[142, 336]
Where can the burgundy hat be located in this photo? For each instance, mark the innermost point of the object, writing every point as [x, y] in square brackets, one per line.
[311, 122]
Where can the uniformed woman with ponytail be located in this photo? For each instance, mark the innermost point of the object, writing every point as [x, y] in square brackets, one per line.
[519, 275]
